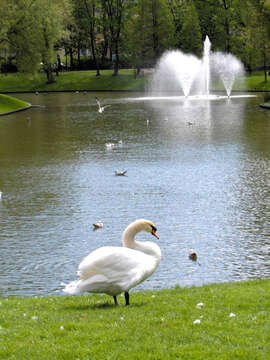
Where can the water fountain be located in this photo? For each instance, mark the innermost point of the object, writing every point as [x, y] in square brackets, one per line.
[185, 73]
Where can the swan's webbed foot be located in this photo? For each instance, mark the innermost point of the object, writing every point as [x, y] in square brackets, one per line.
[115, 301]
[127, 298]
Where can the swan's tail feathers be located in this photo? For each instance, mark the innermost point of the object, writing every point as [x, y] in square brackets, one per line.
[72, 288]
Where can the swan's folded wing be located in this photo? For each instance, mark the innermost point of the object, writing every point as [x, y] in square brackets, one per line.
[109, 258]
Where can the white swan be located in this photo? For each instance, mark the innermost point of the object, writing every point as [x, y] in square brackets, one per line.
[114, 269]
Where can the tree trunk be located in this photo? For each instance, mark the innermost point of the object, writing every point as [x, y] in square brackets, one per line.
[227, 28]
[91, 14]
[105, 46]
[264, 65]
[71, 62]
[59, 64]
[114, 11]
[116, 62]
[49, 73]
[94, 56]
[155, 32]
[79, 56]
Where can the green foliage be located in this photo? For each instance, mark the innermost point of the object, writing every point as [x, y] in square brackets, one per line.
[255, 15]
[20, 35]
[132, 33]
[157, 325]
[190, 35]
[149, 32]
[32, 29]
[50, 29]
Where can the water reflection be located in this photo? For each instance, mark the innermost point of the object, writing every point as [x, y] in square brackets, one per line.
[199, 170]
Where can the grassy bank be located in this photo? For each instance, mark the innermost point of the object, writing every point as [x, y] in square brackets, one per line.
[232, 323]
[8, 103]
[87, 80]
[72, 81]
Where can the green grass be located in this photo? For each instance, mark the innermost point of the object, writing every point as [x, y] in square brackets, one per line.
[8, 103]
[256, 81]
[157, 325]
[74, 80]
[87, 80]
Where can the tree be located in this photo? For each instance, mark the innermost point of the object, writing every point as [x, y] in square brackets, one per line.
[20, 35]
[85, 14]
[221, 21]
[150, 32]
[50, 30]
[256, 16]
[33, 30]
[114, 16]
[139, 35]
[190, 36]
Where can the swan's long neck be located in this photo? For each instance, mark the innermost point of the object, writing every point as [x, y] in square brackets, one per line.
[128, 238]
[149, 248]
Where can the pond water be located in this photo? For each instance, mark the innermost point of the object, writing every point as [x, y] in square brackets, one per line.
[199, 169]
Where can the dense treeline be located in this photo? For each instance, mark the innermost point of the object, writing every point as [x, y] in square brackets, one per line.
[99, 34]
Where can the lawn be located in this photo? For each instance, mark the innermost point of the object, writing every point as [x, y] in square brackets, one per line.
[218, 321]
[87, 80]
[8, 103]
[73, 81]
[255, 81]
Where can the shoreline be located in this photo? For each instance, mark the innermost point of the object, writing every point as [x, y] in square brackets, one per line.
[17, 110]
[29, 106]
[115, 90]
[134, 291]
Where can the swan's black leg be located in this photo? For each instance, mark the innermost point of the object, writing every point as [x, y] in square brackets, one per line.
[115, 300]
[127, 298]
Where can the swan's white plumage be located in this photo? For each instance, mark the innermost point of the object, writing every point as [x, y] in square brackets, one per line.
[112, 270]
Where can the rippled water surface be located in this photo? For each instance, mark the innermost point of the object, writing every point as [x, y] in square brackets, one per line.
[198, 168]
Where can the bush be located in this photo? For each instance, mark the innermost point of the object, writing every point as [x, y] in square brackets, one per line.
[8, 67]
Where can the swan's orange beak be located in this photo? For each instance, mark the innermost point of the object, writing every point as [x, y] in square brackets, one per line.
[155, 234]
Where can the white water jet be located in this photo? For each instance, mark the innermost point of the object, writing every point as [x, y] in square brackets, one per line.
[206, 66]
[171, 76]
[228, 68]
[177, 71]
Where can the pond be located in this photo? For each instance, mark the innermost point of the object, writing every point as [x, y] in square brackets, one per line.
[199, 169]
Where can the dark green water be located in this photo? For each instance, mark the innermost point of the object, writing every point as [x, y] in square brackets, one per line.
[205, 185]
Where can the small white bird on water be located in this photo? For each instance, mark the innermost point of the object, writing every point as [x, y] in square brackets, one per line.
[193, 255]
[120, 173]
[98, 225]
[100, 107]
[115, 269]
[0, 195]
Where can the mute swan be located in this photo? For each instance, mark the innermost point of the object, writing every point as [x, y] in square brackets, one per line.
[114, 269]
